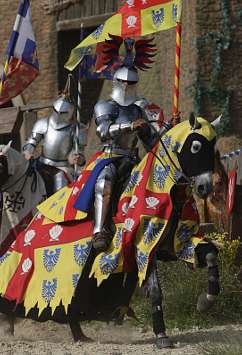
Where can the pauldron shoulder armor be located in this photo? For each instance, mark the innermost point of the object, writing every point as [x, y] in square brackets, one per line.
[105, 108]
[38, 131]
[142, 103]
[105, 113]
[41, 126]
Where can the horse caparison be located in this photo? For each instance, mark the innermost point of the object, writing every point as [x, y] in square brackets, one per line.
[110, 300]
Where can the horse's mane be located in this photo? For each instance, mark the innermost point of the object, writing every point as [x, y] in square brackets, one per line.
[17, 164]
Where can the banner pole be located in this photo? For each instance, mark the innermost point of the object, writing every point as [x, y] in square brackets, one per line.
[176, 91]
[79, 86]
[79, 104]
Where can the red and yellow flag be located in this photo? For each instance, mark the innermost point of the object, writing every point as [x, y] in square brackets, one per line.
[134, 19]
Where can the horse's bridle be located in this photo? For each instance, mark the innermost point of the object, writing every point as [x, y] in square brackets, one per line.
[189, 180]
[31, 170]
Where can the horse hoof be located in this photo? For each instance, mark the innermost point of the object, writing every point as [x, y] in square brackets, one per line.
[101, 242]
[205, 302]
[164, 342]
[84, 339]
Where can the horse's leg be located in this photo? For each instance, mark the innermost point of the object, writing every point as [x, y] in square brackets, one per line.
[207, 254]
[77, 332]
[7, 322]
[154, 291]
[11, 319]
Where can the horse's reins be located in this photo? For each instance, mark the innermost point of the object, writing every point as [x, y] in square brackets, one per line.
[28, 173]
[189, 181]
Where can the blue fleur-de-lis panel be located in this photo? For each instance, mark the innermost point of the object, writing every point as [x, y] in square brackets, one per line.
[162, 152]
[151, 230]
[167, 141]
[108, 263]
[4, 257]
[187, 252]
[118, 237]
[75, 279]
[185, 232]
[142, 260]
[133, 181]
[158, 16]
[97, 33]
[53, 205]
[49, 289]
[81, 252]
[50, 258]
[160, 175]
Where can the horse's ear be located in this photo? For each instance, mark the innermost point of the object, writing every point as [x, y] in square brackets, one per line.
[216, 122]
[6, 148]
[194, 122]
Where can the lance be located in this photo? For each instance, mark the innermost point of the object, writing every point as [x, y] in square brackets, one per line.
[80, 126]
[176, 92]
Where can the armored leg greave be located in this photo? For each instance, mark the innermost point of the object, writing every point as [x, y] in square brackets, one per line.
[103, 191]
[60, 180]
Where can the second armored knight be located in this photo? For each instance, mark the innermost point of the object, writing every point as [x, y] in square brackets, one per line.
[63, 141]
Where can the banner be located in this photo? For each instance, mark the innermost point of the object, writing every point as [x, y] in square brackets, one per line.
[22, 64]
[87, 69]
[134, 19]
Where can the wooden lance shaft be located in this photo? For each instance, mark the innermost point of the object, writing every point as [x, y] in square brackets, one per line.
[177, 70]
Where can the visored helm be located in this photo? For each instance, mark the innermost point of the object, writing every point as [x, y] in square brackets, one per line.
[64, 108]
[124, 86]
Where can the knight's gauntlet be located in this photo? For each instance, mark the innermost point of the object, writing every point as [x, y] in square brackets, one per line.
[29, 148]
[116, 128]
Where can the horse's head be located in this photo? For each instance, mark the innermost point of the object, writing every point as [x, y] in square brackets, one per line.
[12, 165]
[196, 153]
[4, 175]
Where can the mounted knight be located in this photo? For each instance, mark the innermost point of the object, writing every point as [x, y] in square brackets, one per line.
[63, 141]
[121, 121]
[25, 182]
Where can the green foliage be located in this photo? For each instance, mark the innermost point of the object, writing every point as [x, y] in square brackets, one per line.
[214, 92]
[181, 288]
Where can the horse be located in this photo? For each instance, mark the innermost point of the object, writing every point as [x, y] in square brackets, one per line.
[61, 277]
[22, 190]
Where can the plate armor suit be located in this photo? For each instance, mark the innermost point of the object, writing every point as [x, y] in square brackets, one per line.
[61, 138]
[121, 121]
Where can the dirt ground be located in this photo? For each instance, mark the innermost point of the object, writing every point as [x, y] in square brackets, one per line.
[50, 338]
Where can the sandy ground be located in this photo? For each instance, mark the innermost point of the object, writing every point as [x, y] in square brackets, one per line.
[50, 338]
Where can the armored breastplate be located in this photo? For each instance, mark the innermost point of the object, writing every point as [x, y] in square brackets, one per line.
[126, 140]
[57, 145]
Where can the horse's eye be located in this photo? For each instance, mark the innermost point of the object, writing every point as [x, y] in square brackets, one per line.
[196, 147]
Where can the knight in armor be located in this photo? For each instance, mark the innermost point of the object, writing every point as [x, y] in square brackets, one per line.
[63, 141]
[121, 121]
